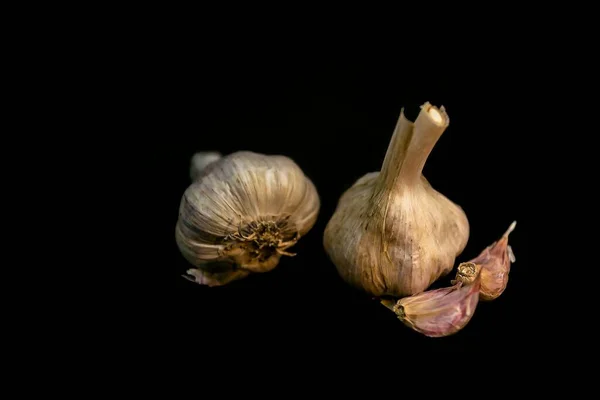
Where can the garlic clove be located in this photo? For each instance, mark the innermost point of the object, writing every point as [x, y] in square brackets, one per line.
[439, 312]
[200, 161]
[212, 279]
[494, 262]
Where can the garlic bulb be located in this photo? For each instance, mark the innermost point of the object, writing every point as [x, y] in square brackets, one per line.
[242, 213]
[392, 233]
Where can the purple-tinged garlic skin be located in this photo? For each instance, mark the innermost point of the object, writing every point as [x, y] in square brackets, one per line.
[439, 312]
[494, 262]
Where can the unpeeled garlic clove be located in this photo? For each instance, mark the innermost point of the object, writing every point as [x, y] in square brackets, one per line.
[439, 312]
[200, 161]
[494, 262]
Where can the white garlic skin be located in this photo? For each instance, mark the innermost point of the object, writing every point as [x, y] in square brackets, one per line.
[392, 234]
[200, 161]
[242, 213]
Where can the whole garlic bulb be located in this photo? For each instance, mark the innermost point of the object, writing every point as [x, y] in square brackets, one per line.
[392, 233]
[242, 213]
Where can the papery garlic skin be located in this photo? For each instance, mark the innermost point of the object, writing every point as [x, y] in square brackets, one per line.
[242, 213]
[392, 233]
[494, 262]
[439, 312]
[200, 161]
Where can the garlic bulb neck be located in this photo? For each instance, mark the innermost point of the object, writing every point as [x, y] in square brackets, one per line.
[410, 147]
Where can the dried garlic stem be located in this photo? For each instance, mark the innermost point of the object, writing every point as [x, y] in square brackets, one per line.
[410, 147]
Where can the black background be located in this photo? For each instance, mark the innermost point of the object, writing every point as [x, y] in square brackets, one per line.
[136, 97]
[334, 118]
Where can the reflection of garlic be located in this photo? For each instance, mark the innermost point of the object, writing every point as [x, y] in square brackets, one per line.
[494, 262]
[392, 233]
[241, 214]
[439, 312]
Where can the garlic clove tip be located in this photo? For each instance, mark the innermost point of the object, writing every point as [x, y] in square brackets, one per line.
[510, 228]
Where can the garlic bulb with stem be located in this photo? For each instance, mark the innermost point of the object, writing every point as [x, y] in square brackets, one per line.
[242, 213]
[392, 233]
